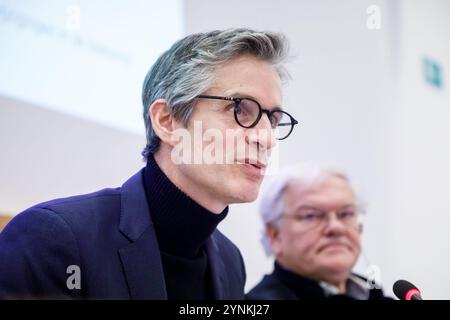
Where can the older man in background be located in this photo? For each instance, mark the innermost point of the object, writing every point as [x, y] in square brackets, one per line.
[312, 227]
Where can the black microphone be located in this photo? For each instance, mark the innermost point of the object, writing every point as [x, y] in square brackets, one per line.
[405, 290]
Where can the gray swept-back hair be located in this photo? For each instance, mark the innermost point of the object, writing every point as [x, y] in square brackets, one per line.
[271, 204]
[187, 69]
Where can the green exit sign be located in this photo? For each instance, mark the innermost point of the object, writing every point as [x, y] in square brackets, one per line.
[432, 72]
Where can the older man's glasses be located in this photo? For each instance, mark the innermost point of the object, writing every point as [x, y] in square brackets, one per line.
[310, 217]
[248, 112]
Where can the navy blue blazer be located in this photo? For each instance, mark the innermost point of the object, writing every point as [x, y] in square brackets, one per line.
[110, 236]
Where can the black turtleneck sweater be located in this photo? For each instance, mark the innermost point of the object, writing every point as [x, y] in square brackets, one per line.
[182, 228]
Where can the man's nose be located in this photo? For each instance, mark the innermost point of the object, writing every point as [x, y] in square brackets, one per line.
[262, 134]
[333, 224]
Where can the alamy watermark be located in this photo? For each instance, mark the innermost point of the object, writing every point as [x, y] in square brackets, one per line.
[374, 17]
[74, 279]
[73, 21]
[373, 281]
[229, 146]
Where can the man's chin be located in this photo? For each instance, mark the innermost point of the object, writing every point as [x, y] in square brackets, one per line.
[246, 194]
[338, 264]
[245, 199]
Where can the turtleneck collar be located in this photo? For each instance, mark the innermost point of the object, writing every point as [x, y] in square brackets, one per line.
[182, 225]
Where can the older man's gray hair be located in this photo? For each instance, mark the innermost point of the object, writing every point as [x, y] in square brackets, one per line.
[271, 205]
[187, 69]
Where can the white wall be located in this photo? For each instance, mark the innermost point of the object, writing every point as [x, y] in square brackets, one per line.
[362, 105]
[47, 155]
[421, 215]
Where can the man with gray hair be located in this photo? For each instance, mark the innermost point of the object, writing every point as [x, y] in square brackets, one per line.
[156, 237]
[312, 227]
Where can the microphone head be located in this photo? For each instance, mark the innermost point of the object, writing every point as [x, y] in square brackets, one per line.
[405, 290]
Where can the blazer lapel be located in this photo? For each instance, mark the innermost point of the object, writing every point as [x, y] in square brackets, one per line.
[218, 271]
[141, 259]
[143, 269]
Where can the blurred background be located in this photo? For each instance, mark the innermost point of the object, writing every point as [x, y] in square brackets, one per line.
[369, 87]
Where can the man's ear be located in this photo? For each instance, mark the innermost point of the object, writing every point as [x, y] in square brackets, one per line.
[360, 228]
[273, 235]
[162, 120]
